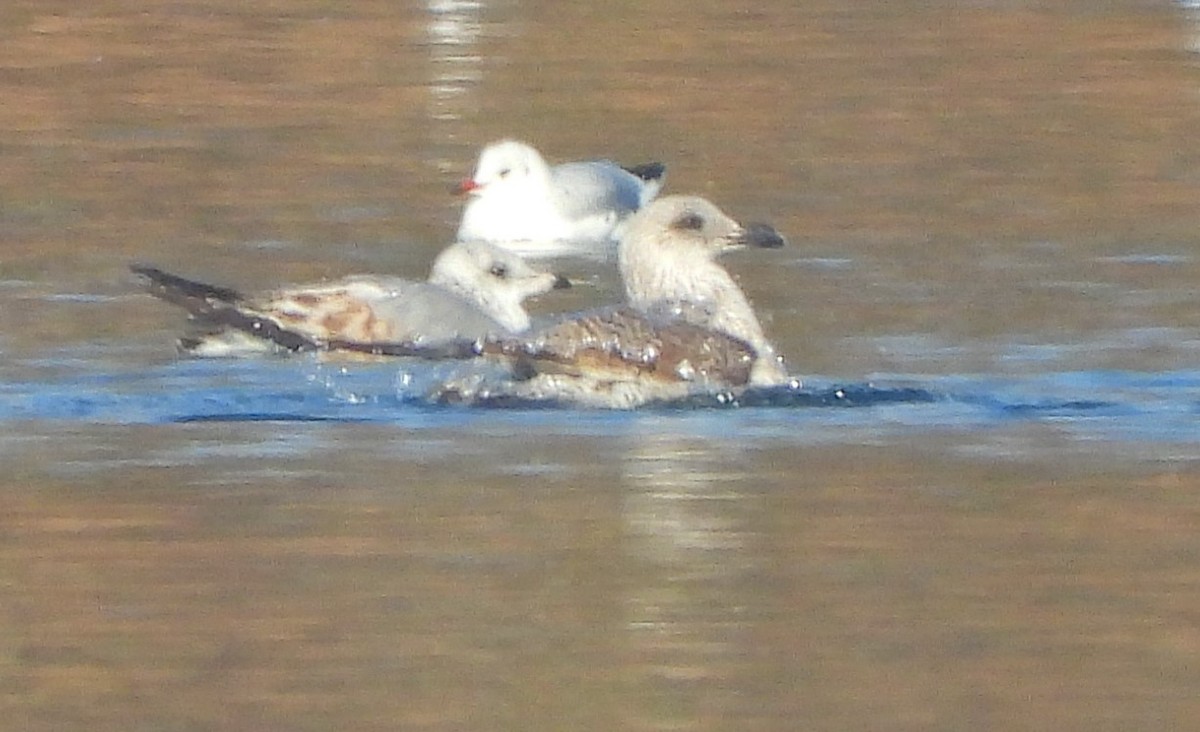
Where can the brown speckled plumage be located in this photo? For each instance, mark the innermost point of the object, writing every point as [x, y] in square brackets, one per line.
[626, 345]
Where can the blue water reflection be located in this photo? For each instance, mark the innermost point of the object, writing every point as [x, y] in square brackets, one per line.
[1087, 406]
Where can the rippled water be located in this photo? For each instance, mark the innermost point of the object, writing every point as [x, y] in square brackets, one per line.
[978, 512]
[1150, 411]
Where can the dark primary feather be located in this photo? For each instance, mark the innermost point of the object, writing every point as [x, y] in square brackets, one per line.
[228, 316]
[195, 297]
[217, 307]
[454, 350]
[648, 171]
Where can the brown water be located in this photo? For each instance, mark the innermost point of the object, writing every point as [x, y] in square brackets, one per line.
[994, 213]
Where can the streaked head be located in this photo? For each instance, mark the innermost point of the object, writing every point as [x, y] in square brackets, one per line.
[694, 224]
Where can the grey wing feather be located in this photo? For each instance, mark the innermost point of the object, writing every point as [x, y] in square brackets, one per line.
[593, 188]
[421, 312]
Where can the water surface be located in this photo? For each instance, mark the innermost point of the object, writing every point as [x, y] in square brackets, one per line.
[979, 511]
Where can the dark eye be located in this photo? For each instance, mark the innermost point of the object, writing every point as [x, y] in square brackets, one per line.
[689, 221]
[499, 270]
[504, 172]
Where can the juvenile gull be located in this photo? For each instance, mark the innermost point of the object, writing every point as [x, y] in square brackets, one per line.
[520, 202]
[686, 325]
[667, 260]
[474, 291]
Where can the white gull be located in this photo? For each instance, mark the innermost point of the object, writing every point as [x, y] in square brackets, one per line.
[521, 203]
[474, 290]
[687, 326]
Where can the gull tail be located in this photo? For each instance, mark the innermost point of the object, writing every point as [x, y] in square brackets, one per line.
[217, 308]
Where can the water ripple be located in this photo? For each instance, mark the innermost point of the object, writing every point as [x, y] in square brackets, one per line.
[1092, 405]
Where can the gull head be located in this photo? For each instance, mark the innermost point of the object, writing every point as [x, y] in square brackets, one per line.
[667, 259]
[506, 165]
[497, 281]
[690, 227]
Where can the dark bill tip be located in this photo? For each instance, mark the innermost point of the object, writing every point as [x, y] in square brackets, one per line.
[561, 283]
[764, 236]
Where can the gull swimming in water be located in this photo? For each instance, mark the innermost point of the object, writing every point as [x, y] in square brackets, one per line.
[474, 290]
[521, 203]
[667, 260]
[687, 324]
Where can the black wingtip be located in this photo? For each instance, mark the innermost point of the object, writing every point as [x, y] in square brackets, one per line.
[561, 283]
[218, 307]
[648, 171]
[453, 350]
[176, 289]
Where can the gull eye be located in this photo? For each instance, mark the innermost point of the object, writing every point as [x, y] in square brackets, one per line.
[499, 270]
[689, 222]
[504, 172]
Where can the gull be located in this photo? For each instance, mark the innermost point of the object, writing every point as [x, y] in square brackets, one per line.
[686, 324]
[667, 260]
[521, 203]
[474, 290]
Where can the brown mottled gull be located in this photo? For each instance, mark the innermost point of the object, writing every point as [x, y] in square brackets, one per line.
[474, 291]
[687, 324]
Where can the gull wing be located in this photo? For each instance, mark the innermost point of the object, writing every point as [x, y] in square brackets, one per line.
[596, 189]
[381, 315]
[627, 345]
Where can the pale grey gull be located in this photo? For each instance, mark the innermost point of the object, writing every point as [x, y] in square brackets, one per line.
[523, 204]
[474, 290]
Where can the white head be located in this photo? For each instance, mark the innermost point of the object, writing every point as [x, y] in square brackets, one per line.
[507, 165]
[666, 256]
[495, 280]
